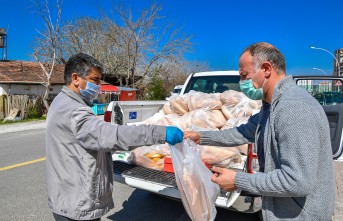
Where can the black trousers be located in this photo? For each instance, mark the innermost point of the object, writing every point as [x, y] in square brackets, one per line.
[63, 218]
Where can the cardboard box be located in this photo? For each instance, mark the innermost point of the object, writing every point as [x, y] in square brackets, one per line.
[168, 165]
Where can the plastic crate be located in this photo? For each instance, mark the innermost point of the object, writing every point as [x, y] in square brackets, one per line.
[99, 109]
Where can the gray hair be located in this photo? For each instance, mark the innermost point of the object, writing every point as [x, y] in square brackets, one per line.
[80, 64]
[263, 51]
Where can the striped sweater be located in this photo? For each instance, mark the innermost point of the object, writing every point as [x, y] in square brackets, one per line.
[298, 181]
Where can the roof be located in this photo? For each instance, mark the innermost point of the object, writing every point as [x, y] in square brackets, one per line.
[127, 89]
[109, 88]
[28, 72]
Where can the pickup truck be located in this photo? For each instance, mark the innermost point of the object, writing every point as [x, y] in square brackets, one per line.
[163, 183]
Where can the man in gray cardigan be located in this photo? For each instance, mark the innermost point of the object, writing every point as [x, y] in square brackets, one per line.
[292, 136]
[79, 144]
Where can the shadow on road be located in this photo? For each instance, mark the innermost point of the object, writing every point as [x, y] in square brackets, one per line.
[144, 206]
[141, 206]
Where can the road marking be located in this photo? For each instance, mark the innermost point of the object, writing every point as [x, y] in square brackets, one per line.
[32, 133]
[22, 164]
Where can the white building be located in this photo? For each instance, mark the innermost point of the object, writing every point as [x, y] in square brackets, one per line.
[27, 78]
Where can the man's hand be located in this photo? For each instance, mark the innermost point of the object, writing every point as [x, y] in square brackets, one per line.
[195, 136]
[225, 178]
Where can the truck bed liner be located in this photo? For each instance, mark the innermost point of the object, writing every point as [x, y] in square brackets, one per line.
[139, 172]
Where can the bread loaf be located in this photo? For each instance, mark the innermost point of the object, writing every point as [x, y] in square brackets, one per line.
[178, 105]
[215, 118]
[199, 100]
[215, 155]
[166, 109]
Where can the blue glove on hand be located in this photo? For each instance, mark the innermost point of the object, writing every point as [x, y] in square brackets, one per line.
[173, 135]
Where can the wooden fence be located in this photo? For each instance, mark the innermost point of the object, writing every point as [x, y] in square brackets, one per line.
[13, 106]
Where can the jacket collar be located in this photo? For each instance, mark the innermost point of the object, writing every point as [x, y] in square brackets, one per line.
[282, 86]
[75, 96]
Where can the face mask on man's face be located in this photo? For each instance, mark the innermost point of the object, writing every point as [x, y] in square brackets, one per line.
[247, 87]
[91, 92]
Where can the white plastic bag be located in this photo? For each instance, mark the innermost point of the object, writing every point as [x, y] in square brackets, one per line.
[150, 156]
[198, 193]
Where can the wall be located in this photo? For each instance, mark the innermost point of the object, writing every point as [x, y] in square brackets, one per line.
[28, 89]
[127, 95]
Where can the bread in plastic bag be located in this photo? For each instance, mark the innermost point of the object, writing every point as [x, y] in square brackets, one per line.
[198, 193]
[220, 156]
[199, 100]
[151, 156]
[234, 122]
[231, 98]
[178, 104]
[204, 119]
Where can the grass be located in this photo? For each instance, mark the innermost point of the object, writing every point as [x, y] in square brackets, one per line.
[22, 121]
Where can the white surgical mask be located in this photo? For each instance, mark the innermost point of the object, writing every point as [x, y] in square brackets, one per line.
[91, 92]
[247, 87]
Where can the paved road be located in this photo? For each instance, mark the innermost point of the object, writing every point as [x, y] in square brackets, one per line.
[23, 194]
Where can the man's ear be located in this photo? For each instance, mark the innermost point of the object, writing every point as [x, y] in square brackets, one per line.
[267, 69]
[75, 80]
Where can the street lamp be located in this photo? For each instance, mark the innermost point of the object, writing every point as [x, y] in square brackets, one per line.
[320, 70]
[337, 62]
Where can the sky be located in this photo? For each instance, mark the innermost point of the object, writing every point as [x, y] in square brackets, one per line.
[220, 29]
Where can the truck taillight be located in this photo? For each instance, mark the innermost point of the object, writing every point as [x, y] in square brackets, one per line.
[251, 156]
[107, 116]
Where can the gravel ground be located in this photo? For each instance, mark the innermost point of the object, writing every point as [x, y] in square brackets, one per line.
[31, 125]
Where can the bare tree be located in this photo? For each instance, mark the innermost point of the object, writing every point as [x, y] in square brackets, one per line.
[147, 43]
[95, 37]
[46, 49]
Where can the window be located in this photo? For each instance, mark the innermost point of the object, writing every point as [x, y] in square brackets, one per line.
[213, 84]
[326, 91]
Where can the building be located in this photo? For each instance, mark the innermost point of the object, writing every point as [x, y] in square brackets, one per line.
[338, 69]
[27, 78]
[127, 94]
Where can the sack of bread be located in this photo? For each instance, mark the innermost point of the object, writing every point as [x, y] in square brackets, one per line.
[151, 156]
[178, 104]
[163, 120]
[231, 98]
[199, 100]
[220, 156]
[197, 192]
[216, 118]
[234, 122]
[212, 119]
[166, 108]
[152, 120]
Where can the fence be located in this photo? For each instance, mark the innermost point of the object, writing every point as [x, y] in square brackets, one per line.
[14, 106]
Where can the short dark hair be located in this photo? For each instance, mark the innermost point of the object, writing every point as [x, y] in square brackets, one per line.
[263, 51]
[80, 64]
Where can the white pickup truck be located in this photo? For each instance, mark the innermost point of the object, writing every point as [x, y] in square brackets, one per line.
[328, 90]
[163, 183]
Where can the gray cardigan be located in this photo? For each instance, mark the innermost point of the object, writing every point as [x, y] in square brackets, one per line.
[298, 182]
[78, 158]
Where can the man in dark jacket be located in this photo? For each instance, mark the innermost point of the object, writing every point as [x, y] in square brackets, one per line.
[79, 145]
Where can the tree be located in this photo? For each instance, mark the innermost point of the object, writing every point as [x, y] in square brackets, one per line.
[47, 47]
[154, 90]
[91, 36]
[147, 41]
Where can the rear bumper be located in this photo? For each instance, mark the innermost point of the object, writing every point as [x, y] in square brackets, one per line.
[164, 184]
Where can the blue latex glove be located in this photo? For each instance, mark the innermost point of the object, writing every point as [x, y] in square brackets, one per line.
[173, 135]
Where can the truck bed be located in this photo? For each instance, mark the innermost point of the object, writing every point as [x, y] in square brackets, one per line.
[164, 183]
[139, 172]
